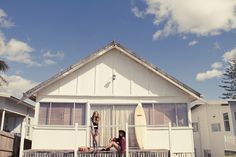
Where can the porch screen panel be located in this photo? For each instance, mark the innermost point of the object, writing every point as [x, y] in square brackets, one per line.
[44, 113]
[182, 114]
[164, 113]
[61, 113]
[80, 113]
[105, 129]
[148, 110]
[125, 114]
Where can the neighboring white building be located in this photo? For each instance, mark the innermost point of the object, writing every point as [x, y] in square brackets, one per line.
[13, 112]
[214, 124]
[112, 81]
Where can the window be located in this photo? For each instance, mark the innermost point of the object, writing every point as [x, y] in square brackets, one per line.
[195, 126]
[162, 114]
[44, 113]
[215, 127]
[61, 113]
[207, 153]
[226, 121]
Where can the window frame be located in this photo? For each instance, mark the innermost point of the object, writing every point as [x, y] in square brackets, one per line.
[173, 124]
[226, 121]
[215, 127]
[72, 116]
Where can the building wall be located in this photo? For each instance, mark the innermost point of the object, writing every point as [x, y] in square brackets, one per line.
[233, 113]
[15, 114]
[201, 137]
[205, 138]
[111, 79]
[96, 79]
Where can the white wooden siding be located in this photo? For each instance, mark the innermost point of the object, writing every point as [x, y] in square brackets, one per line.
[95, 78]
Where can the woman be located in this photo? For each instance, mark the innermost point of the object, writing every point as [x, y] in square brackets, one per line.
[118, 143]
[94, 128]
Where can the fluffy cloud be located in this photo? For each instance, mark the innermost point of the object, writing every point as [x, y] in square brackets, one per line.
[202, 18]
[51, 57]
[216, 70]
[4, 21]
[208, 75]
[16, 51]
[192, 43]
[229, 55]
[216, 65]
[16, 85]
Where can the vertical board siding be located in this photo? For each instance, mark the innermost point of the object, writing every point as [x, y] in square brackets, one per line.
[6, 144]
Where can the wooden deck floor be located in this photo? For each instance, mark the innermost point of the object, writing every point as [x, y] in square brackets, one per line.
[66, 153]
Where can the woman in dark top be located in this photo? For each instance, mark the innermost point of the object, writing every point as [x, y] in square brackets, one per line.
[118, 143]
[94, 128]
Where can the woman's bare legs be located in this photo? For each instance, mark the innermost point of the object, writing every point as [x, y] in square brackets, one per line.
[112, 144]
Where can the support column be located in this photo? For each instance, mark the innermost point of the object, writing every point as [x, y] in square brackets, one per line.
[22, 139]
[170, 139]
[3, 119]
[76, 140]
[88, 136]
[127, 139]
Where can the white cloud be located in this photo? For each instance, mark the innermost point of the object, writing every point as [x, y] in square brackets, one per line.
[49, 54]
[208, 75]
[216, 65]
[16, 85]
[49, 61]
[137, 12]
[199, 17]
[17, 51]
[192, 43]
[51, 57]
[229, 55]
[4, 21]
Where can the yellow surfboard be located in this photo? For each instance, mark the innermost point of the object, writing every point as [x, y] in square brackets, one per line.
[140, 126]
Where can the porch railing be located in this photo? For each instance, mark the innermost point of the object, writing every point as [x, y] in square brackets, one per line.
[126, 127]
[230, 142]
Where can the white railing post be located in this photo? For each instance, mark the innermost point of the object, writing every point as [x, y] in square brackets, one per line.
[170, 144]
[76, 142]
[22, 139]
[127, 139]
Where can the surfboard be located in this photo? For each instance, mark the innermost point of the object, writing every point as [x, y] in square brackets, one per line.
[140, 129]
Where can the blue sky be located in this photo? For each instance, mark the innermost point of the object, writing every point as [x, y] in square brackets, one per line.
[191, 40]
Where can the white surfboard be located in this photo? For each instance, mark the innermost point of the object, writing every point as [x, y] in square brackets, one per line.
[140, 129]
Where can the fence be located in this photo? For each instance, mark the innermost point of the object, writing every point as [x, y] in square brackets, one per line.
[9, 144]
[74, 134]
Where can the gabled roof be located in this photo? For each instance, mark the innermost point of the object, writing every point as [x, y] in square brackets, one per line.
[30, 93]
[17, 101]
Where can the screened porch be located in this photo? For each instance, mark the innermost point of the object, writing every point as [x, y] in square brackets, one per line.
[113, 118]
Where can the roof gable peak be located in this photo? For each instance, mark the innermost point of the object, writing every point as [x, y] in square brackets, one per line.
[113, 44]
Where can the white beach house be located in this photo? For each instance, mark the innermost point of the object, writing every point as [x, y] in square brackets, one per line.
[112, 81]
[13, 113]
[214, 125]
